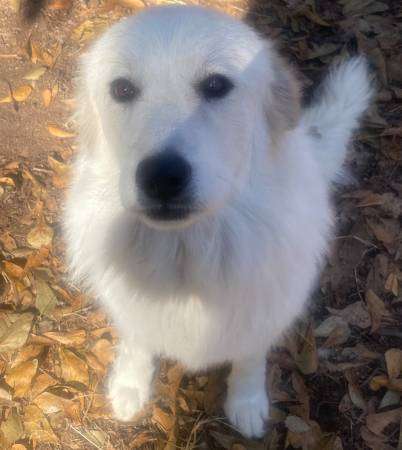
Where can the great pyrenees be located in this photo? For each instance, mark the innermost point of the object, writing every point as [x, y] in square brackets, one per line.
[199, 212]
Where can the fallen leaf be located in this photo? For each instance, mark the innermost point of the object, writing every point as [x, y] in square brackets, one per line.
[37, 426]
[8, 241]
[20, 377]
[7, 181]
[376, 423]
[40, 235]
[19, 95]
[41, 383]
[166, 421]
[73, 368]
[46, 300]
[58, 132]
[46, 97]
[12, 427]
[17, 333]
[296, 424]
[75, 338]
[35, 74]
[13, 270]
[376, 309]
[392, 284]
[104, 352]
[393, 360]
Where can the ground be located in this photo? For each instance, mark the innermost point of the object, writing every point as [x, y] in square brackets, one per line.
[334, 379]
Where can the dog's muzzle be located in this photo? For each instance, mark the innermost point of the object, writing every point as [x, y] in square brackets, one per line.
[164, 181]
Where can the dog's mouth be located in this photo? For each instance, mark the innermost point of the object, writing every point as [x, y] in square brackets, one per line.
[168, 215]
[168, 212]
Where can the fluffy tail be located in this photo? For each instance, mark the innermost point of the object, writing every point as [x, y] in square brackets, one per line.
[344, 97]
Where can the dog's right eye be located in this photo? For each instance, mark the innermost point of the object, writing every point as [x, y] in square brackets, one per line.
[123, 90]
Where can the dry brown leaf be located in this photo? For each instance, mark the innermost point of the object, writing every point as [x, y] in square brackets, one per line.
[73, 368]
[12, 427]
[296, 424]
[20, 377]
[89, 29]
[38, 427]
[392, 284]
[58, 167]
[376, 423]
[13, 270]
[46, 97]
[46, 300]
[166, 421]
[75, 338]
[7, 181]
[18, 447]
[393, 360]
[19, 95]
[355, 314]
[40, 235]
[41, 383]
[376, 309]
[60, 4]
[307, 358]
[26, 353]
[15, 336]
[59, 132]
[8, 242]
[35, 74]
[355, 392]
[104, 351]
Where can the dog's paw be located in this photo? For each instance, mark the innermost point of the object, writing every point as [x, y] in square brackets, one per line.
[126, 400]
[248, 413]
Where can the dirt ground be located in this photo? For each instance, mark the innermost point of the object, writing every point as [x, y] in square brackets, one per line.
[335, 380]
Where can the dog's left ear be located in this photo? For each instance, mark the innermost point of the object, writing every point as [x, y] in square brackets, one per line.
[283, 102]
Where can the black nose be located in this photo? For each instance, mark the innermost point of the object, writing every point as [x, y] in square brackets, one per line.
[163, 176]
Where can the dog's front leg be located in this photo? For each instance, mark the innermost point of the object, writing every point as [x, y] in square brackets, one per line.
[130, 380]
[246, 404]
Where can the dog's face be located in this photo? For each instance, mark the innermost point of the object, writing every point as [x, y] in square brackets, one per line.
[172, 98]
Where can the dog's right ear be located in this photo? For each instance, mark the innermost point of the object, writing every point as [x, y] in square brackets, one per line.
[283, 102]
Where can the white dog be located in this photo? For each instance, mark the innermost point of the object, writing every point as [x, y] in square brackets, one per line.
[199, 213]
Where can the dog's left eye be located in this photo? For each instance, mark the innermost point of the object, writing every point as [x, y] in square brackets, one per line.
[215, 86]
[123, 90]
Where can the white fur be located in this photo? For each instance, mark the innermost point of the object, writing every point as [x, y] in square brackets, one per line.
[222, 286]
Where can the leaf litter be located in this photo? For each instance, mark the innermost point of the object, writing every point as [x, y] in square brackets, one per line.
[335, 379]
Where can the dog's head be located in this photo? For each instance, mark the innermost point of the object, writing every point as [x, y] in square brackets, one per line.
[178, 100]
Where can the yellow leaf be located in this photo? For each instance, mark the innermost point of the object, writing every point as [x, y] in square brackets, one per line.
[7, 181]
[40, 235]
[35, 74]
[20, 377]
[57, 166]
[58, 132]
[18, 447]
[15, 336]
[38, 427]
[19, 95]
